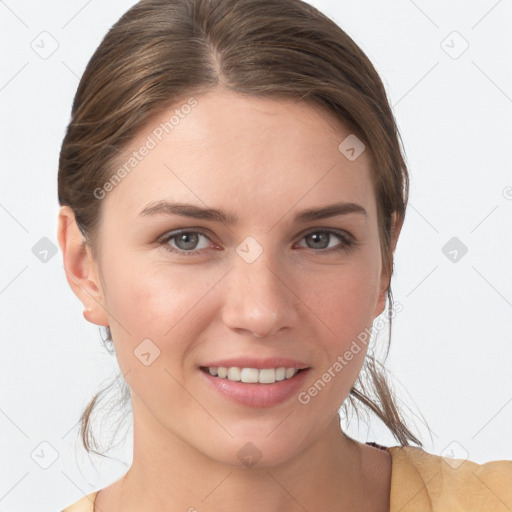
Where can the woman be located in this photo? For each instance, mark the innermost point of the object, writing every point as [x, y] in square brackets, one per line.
[232, 190]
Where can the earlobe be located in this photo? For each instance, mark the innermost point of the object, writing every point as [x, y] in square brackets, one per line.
[381, 303]
[80, 268]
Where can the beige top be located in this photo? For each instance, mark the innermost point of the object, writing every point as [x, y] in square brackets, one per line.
[423, 482]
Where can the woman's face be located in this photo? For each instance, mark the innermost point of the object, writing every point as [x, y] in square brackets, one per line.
[258, 288]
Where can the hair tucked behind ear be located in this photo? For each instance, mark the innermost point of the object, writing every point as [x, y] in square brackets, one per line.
[161, 52]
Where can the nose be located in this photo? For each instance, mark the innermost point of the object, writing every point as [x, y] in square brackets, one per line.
[258, 298]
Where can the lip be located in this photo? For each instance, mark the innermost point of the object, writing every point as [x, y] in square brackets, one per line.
[256, 395]
[260, 364]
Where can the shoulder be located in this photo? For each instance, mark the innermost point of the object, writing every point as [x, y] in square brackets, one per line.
[422, 481]
[84, 504]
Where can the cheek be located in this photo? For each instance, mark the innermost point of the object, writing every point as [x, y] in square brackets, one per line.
[345, 303]
[151, 328]
[346, 318]
[344, 297]
[148, 295]
[158, 302]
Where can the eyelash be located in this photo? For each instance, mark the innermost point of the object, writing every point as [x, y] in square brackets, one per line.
[347, 245]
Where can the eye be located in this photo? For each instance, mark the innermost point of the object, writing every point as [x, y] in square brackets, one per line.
[320, 241]
[184, 241]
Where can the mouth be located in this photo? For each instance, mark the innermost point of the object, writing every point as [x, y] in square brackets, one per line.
[253, 375]
[256, 387]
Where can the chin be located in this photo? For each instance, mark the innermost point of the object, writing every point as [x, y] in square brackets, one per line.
[256, 451]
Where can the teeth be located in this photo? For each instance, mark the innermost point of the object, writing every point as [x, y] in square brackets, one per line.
[280, 373]
[234, 374]
[290, 372]
[253, 375]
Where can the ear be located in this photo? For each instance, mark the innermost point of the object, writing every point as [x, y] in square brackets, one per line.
[386, 276]
[80, 267]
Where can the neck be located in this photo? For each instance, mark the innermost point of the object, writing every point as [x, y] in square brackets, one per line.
[169, 474]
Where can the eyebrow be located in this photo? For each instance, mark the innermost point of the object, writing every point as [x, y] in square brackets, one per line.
[213, 214]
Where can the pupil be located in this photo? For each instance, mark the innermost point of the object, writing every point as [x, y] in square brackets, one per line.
[317, 238]
[189, 239]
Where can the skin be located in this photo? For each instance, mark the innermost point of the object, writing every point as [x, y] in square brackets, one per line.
[263, 160]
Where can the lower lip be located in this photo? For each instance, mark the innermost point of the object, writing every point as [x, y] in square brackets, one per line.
[257, 395]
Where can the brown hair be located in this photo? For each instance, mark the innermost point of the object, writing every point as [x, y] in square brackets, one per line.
[161, 51]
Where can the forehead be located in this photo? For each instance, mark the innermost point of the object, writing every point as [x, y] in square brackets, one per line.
[255, 154]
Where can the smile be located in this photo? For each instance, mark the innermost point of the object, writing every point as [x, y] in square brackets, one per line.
[252, 375]
[255, 387]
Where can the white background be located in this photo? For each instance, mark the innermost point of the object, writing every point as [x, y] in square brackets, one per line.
[451, 349]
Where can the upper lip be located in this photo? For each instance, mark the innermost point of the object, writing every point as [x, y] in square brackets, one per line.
[254, 362]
